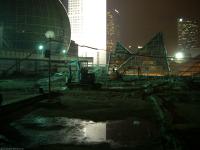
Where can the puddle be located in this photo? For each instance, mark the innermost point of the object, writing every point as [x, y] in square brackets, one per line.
[61, 130]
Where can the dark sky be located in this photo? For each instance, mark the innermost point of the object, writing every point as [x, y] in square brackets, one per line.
[141, 19]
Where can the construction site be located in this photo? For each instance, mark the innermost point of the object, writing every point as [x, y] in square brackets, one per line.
[51, 98]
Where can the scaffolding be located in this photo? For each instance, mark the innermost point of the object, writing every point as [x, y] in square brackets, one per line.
[151, 60]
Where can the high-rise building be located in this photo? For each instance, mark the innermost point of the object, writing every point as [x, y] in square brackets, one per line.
[113, 31]
[188, 34]
[88, 26]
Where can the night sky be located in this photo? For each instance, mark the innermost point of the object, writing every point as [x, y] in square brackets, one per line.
[142, 19]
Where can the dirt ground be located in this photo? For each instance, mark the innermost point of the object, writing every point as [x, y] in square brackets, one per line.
[178, 100]
[99, 105]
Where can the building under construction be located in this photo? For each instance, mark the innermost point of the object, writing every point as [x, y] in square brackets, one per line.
[151, 60]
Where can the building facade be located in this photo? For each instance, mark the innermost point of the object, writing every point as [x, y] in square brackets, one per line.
[113, 30]
[188, 34]
[88, 26]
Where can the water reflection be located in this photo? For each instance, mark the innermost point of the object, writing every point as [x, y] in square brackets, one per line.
[95, 132]
[60, 130]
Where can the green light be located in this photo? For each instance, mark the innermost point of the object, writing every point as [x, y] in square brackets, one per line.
[40, 47]
[64, 51]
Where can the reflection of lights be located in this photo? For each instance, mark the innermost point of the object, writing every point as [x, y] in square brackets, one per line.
[95, 132]
[84, 131]
[129, 46]
[115, 68]
[50, 35]
[140, 47]
[40, 120]
[179, 55]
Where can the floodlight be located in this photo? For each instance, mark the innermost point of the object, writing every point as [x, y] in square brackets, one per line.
[181, 20]
[179, 55]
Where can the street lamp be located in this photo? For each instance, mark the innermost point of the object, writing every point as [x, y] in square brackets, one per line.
[40, 47]
[64, 51]
[49, 35]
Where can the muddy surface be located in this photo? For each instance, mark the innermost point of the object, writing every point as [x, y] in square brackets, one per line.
[87, 118]
[40, 130]
[114, 119]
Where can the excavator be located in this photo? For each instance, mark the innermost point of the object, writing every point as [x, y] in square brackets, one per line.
[78, 76]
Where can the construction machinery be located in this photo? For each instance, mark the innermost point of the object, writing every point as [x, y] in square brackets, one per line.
[78, 76]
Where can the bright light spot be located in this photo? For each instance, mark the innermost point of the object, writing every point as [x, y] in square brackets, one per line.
[181, 20]
[50, 35]
[140, 47]
[129, 46]
[95, 132]
[90, 28]
[40, 47]
[116, 11]
[179, 55]
[64, 51]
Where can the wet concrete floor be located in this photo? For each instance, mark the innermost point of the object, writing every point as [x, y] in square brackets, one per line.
[85, 118]
[39, 130]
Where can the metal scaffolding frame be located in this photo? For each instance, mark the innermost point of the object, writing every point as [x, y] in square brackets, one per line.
[150, 60]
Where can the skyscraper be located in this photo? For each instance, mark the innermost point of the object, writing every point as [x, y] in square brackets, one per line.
[88, 25]
[113, 31]
[188, 34]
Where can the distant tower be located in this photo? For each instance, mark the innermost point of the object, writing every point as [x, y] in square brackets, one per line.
[188, 34]
[88, 25]
[75, 13]
[113, 31]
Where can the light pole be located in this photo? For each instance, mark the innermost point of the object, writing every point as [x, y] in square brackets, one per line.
[49, 35]
[41, 49]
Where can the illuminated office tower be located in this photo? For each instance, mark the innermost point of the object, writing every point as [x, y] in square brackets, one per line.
[88, 25]
[113, 29]
[188, 34]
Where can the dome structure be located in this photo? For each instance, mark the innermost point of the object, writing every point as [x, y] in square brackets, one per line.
[23, 24]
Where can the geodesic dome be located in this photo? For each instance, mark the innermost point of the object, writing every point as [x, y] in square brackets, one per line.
[23, 24]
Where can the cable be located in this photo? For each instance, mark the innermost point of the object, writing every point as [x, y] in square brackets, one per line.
[136, 54]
